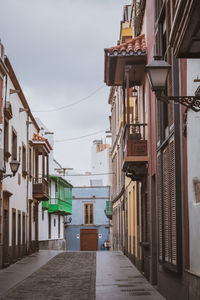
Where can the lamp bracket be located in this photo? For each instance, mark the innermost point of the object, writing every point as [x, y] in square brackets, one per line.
[192, 102]
[2, 177]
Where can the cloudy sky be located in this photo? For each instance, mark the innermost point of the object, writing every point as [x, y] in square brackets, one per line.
[56, 49]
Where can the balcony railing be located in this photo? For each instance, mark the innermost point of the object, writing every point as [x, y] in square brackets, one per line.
[135, 150]
[40, 189]
[108, 210]
[134, 137]
[59, 206]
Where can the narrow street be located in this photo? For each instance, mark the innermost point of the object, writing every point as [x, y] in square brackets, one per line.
[75, 275]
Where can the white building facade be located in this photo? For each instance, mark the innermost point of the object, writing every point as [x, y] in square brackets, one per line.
[19, 227]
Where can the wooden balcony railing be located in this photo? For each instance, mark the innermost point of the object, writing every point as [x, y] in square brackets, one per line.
[40, 189]
[134, 140]
[135, 150]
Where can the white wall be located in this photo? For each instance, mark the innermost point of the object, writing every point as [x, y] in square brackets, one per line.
[18, 200]
[44, 226]
[193, 148]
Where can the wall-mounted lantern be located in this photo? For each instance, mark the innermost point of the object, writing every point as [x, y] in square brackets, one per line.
[14, 166]
[157, 73]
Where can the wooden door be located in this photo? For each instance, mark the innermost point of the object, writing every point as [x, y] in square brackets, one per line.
[89, 239]
[6, 232]
[19, 234]
[14, 234]
[23, 233]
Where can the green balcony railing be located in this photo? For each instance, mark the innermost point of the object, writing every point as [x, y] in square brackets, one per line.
[108, 210]
[45, 205]
[59, 206]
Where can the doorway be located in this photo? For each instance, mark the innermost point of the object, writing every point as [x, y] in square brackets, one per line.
[88, 239]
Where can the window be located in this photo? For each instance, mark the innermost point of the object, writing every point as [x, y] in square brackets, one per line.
[49, 225]
[58, 226]
[6, 140]
[34, 213]
[19, 179]
[89, 214]
[56, 190]
[42, 215]
[30, 163]
[24, 173]
[14, 144]
[54, 222]
[167, 206]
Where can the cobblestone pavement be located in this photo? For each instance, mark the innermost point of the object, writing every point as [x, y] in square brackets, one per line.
[69, 275]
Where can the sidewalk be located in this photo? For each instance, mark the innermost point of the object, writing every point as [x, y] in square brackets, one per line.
[17, 272]
[118, 279]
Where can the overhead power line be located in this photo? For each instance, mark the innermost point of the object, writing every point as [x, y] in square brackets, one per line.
[71, 104]
[80, 137]
[87, 174]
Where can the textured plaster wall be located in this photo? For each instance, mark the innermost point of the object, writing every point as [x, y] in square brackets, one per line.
[18, 200]
[193, 148]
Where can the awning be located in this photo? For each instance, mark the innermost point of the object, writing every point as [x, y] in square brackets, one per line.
[132, 53]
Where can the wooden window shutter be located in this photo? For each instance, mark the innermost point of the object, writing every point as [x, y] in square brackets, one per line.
[160, 208]
[166, 205]
[173, 202]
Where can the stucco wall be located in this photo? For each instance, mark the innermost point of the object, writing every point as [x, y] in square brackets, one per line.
[96, 195]
[82, 195]
[18, 200]
[193, 148]
[44, 226]
[73, 236]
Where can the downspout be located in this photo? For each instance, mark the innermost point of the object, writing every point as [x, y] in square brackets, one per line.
[4, 163]
[3, 106]
[27, 181]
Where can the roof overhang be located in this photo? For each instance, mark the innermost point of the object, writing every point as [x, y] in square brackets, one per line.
[61, 180]
[133, 53]
[185, 33]
[41, 146]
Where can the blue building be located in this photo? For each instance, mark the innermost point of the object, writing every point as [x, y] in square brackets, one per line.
[90, 226]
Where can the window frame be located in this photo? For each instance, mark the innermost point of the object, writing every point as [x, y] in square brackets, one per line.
[89, 204]
[7, 153]
[24, 163]
[14, 144]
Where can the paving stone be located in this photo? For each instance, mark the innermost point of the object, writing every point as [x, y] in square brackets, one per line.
[69, 275]
[124, 280]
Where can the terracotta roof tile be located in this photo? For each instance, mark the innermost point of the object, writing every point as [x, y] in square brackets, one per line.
[38, 138]
[132, 46]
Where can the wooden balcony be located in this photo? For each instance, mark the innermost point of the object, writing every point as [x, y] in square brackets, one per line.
[40, 189]
[135, 151]
[185, 33]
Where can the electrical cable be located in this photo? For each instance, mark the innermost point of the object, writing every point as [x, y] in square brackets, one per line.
[71, 104]
[80, 137]
[86, 174]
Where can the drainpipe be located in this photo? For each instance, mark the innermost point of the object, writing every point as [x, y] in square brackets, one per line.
[5, 84]
[3, 106]
[27, 180]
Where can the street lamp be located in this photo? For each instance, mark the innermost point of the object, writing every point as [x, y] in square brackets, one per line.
[157, 73]
[14, 166]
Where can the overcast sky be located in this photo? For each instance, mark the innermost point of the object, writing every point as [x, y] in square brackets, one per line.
[56, 48]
